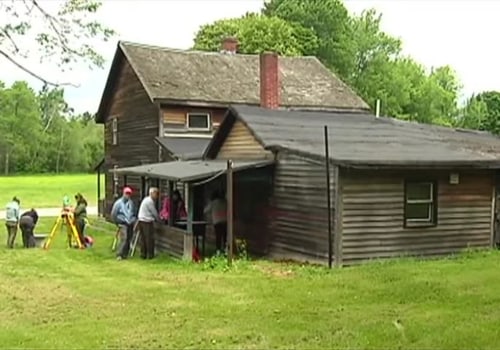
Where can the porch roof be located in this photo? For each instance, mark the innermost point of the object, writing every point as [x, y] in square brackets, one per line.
[189, 170]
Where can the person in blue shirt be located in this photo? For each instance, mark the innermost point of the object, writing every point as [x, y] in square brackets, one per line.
[12, 214]
[123, 215]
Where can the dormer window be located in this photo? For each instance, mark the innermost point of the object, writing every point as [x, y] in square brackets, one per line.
[198, 121]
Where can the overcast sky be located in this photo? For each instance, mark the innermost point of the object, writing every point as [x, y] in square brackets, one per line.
[461, 33]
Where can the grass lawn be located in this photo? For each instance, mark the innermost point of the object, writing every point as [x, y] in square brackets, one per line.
[47, 191]
[66, 299]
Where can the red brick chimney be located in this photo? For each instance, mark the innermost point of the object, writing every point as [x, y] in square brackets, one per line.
[269, 80]
[229, 45]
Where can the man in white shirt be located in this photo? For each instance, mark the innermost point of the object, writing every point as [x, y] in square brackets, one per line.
[148, 214]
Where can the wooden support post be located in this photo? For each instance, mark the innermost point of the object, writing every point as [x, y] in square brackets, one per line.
[171, 203]
[229, 194]
[189, 237]
[493, 215]
[337, 240]
[99, 211]
[328, 199]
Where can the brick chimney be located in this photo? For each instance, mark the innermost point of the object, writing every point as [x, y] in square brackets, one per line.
[229, 45]
[269, 80]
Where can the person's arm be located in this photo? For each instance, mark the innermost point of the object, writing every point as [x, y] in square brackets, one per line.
[153, 211]
[207, 208]
[114, 211]
[35, 218]
[79, 209]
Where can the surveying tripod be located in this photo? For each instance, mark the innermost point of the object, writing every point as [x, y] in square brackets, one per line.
[65, 219]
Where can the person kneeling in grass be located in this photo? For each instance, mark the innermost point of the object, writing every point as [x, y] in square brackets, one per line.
[27, 224]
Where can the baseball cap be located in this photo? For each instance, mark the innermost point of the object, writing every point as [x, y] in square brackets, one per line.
[127, 190]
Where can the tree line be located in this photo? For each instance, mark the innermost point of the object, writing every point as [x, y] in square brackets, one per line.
[40, 132]
[356, 49]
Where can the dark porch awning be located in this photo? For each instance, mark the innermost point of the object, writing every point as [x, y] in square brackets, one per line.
[189, 170]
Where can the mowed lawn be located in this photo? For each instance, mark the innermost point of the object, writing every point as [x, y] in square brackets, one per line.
[66, 299]
[47, 191]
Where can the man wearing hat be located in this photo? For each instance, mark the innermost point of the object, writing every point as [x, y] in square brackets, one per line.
[123, 214]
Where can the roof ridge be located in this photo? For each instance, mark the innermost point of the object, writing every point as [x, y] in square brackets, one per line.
[201, 52]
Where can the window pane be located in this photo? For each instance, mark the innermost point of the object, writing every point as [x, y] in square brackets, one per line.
[419, 211]
[198, 121]
[419, 191]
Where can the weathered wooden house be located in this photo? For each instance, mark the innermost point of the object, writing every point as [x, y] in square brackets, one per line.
[163, 104]
[398, 188]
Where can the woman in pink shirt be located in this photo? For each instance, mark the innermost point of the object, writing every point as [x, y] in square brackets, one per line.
[178, 208]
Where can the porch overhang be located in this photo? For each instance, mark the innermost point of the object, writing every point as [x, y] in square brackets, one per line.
[189, 170]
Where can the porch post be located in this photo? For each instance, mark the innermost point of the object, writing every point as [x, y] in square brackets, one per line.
[99, 211]
[188, 237]
[171, 202]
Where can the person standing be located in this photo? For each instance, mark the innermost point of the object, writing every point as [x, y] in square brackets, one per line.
[123, 215]
[12, 221]
[217, 210]
[148, 215]
[27, 224]
[80, 214]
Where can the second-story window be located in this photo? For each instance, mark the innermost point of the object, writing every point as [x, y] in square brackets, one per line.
[115, 131]
[198, 121]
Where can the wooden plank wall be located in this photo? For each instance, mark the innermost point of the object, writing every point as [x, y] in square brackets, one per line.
[373, 209]
[300, 215]
[138, 125]
[170, 240]
[241, 144]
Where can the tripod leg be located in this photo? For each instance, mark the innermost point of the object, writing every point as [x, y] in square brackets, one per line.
[135, 238]
[73, 233]
[53, 232]
[115, 241]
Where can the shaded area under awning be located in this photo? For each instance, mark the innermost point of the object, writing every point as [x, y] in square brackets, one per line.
[189, 170]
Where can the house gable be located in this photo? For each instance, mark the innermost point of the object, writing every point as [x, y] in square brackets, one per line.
[235, 140]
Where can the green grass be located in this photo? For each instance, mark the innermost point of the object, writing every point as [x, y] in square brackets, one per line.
[64, 299]
[47, 191]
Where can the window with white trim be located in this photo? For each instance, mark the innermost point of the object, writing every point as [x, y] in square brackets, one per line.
[420, 203]
[198, 121]
[115, 131]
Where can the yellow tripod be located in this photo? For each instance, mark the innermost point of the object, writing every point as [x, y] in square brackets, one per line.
[65, 219]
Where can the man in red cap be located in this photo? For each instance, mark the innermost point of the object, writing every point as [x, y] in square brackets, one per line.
[123, 214]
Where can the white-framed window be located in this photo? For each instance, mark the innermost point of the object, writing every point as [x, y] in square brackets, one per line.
[420, 203]
[198, 121]
[115, 130]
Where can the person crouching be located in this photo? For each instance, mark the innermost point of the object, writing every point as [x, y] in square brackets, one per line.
[27, 224]
[147, 217]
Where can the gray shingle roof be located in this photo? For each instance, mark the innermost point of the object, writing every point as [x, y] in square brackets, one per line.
[361, 139]
[189, 170]
[184, 147]
[221, 78]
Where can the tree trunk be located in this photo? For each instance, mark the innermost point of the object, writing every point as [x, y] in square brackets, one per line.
[6, 163]
[59, 151]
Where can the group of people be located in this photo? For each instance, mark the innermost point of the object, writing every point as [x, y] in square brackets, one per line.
[27, 221]
[123, 215]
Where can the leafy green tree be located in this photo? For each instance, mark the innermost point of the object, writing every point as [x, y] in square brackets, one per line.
[330, 22]
[64, 36]
[257, 33]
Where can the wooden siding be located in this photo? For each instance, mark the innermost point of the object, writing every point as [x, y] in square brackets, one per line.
[240, 143]
[175, 117]
[373, 215]
[169, 240]
[137, 127]
[300, 215]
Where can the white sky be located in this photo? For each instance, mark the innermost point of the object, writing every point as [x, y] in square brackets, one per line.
[461, 33]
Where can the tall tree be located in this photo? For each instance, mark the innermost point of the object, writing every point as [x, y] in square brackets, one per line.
[63, 33]
[330, 21]
[257, 33]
